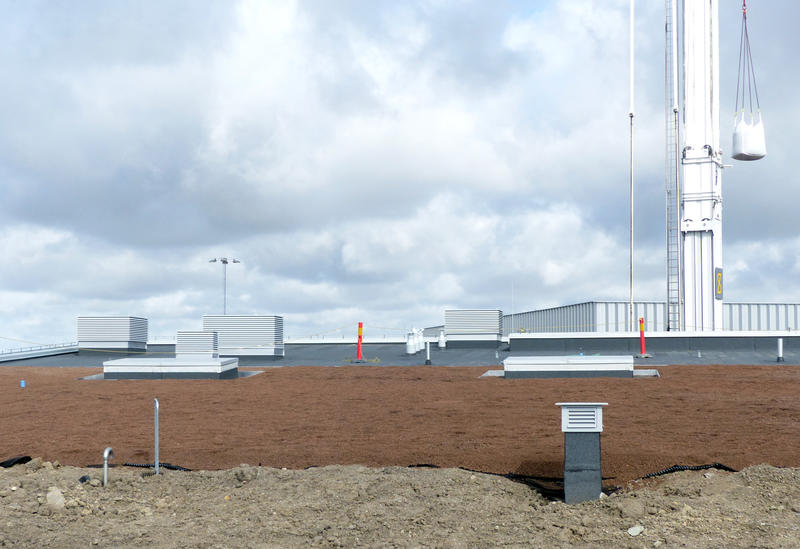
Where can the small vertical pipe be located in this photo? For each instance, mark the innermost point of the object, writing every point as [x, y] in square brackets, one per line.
[155, 408]
[107, 454]
[427, 353]
[780, 349]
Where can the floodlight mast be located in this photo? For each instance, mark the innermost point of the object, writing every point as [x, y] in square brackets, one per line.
[224, 261]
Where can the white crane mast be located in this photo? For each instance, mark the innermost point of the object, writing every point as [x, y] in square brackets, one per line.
[701, 170]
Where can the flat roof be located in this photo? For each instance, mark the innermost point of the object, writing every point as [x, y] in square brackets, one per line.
[314, 354]
[393, 354]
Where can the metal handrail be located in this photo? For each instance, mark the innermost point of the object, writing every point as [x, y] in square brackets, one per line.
[37, 348]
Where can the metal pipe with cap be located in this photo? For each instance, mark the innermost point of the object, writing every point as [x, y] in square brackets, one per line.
[780, 349]
[155, 406]
[108, 453]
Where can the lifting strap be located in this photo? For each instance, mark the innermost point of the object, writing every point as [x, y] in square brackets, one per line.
[749, 142]
[746, 81]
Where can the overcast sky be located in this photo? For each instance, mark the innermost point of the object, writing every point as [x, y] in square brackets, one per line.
[365, 160]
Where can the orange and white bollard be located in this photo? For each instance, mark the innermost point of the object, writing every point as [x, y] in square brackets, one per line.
[642, 351]
[360, 338]
[641, 335]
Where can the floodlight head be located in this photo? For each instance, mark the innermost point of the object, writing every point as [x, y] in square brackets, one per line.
[212, 260]
[235, 261]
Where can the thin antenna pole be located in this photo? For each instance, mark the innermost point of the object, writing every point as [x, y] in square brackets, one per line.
[631, 53]
[630, 115]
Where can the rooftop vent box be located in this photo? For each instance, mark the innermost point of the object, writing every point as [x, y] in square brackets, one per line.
[582, 423]
[112, 332]
[473, 327]
[582, 417]
[242, 335]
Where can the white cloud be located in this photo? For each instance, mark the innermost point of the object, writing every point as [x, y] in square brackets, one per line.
[375, 162]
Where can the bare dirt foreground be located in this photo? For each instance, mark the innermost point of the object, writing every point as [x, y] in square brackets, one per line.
[359, 428]
[350, 506]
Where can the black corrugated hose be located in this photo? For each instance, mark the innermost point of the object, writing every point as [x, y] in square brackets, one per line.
[676, 468]
[169, 466]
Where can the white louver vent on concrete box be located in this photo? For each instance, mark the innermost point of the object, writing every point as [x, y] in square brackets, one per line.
[196, 344]
[473, 321]
[247, 334]
[582, 417]
[112, 332]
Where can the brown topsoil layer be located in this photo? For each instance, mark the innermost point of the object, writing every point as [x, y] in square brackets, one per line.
[296, 417]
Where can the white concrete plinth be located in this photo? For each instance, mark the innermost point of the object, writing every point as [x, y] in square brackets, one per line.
[85, 345]
[262, 350]
[171, 368]
[568, 366]
[473, 337]
[491, 341]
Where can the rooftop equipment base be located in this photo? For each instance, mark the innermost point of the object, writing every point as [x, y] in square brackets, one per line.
[171, 368]
[520, 367]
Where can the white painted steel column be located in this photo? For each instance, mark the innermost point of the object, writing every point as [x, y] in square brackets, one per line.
[701, 198]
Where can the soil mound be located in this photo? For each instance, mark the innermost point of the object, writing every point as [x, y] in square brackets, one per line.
[43, 504]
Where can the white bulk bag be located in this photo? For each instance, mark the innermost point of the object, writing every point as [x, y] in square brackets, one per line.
[749, 141]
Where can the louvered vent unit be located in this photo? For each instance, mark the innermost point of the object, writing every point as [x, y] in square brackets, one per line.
[473, 322]
[197, 344]
[112, 332]
[247, 334]
[582, 423]
[582, 417]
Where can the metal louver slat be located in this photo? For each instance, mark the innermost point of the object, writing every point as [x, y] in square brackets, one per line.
[582, 417]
